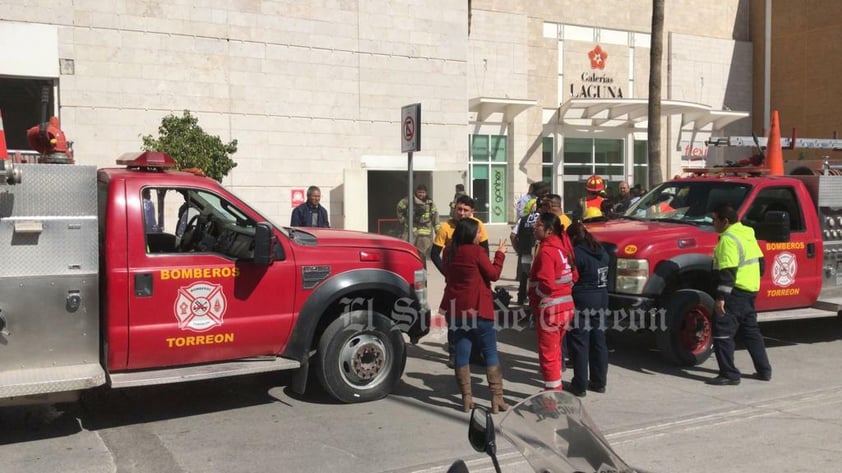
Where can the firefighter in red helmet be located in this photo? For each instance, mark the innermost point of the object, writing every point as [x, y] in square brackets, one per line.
[595, 186]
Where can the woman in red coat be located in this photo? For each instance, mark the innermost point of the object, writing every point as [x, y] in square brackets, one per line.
[550, 294]
[468, 304]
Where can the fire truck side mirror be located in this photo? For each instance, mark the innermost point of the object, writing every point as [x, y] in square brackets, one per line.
[263, 243]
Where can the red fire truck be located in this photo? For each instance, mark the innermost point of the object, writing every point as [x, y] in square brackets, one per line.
[141, 275]
[662, 246]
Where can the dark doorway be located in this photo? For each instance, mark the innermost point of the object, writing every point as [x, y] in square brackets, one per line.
[385, 190]
[20, 103]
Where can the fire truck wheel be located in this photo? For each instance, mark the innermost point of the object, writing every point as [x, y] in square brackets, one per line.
[687, 339]
[361, 357]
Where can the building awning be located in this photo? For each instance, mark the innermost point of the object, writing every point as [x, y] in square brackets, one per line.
[634, 113]
[510, 108]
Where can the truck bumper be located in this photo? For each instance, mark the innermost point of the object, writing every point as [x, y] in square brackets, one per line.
[631, 312]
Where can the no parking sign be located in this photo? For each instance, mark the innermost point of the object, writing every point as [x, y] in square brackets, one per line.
[411, 128]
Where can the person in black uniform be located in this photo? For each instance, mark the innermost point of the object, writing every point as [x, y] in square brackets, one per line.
[586, 338]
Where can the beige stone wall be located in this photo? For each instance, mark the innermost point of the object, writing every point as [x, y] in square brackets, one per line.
[721, 25]
[311, 88]
[307, 88]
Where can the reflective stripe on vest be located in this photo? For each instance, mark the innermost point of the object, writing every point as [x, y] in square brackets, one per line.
[740, 251]
[555, 301]
[741, 263]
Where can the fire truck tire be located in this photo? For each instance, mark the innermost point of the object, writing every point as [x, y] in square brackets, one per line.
[361, 357]
[687, 339]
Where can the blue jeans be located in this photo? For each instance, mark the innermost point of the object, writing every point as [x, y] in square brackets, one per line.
[484, 334]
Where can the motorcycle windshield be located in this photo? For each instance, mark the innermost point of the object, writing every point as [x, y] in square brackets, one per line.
[555, 434]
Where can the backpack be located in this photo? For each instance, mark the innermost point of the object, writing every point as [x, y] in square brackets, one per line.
[526, 233]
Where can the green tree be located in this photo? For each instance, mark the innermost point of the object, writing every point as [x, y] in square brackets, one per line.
[184, 140]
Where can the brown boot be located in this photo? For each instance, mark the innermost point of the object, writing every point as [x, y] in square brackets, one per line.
[463, 381]
[495, 382]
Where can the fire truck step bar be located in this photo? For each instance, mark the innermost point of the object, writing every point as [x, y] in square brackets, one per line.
[200, 372]
[53, 379]
[795, 314]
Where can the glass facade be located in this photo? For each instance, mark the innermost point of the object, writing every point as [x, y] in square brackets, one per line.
[640, 170]
[547, 168]
[584, 157]
[489, 177]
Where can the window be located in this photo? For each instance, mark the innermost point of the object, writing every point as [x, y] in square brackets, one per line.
[183, 220]
[775, 199]
[640, 167]
[547, 174]
[584, 157]
[489, 177]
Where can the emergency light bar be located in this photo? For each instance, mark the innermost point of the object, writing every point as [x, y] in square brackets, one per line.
[148, 160]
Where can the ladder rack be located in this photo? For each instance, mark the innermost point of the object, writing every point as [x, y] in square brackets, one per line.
[786, 143]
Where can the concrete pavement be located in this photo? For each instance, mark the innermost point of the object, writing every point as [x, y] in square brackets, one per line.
[658, 417]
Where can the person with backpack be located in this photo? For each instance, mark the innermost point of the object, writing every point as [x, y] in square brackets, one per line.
[523, 237]
[523, 242]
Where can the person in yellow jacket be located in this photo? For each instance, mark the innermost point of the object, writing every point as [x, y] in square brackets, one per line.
[552, 203]
[738, 261]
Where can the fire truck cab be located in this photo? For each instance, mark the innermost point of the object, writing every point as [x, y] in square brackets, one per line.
[664, 281]
[139, 275]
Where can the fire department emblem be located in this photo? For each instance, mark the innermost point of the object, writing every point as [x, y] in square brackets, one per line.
[200, 306]
[784, 269]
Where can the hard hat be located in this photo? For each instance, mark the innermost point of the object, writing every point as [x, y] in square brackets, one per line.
[595, 184]
[592, 212]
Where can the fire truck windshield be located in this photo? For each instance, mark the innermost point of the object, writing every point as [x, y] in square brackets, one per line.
[687, 201]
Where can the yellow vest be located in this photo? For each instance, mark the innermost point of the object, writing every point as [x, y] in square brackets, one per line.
[738, 248]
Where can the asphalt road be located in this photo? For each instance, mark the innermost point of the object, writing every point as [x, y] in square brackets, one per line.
[658, 417]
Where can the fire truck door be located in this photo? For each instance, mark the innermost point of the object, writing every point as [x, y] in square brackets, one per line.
[196, 296]
[792, 277]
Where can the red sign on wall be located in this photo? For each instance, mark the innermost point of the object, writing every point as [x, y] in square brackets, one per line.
[297, 197]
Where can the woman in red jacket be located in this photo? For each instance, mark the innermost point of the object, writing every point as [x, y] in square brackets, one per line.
[550, 294]
[468, 304]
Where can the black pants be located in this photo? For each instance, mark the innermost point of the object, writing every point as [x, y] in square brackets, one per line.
[522, 278]
[740, 319]
[588, 349]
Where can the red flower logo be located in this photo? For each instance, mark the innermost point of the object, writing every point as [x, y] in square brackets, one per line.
[598, 57]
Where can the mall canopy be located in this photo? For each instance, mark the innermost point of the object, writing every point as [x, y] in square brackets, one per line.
[634, 113]
[510, 108]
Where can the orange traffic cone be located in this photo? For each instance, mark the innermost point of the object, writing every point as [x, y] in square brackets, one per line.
[774, 155]
[4, 153]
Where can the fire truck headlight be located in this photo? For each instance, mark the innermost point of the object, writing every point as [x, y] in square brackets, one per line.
[420, 286]
[631, 275]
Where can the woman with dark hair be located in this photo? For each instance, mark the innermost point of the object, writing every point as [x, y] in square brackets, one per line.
[588, 348]
[469, 308]
[550, 286]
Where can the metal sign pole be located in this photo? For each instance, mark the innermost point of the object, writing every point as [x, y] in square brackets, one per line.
[410, 141]
[410, 211]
